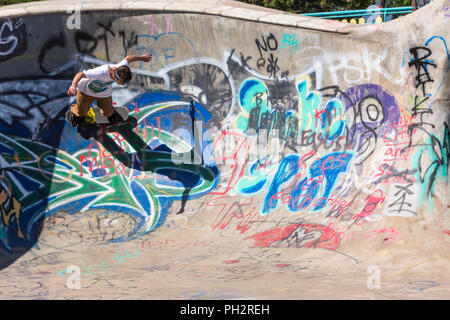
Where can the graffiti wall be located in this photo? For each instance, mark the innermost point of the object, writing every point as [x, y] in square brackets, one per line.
[252, 119]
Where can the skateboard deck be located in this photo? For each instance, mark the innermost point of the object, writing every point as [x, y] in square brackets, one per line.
[95, 116]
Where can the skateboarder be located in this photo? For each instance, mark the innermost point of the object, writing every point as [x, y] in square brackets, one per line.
[96, 84]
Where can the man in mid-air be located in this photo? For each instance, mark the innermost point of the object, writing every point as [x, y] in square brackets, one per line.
[96, 84]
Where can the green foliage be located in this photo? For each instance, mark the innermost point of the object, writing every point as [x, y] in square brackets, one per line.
[293, 6]
[6, 2]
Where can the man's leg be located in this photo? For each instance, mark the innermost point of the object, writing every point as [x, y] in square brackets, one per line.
[106, 108]
[80, 109]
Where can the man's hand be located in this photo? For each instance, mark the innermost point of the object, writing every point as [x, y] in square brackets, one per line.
[147, 57]
[72, 90]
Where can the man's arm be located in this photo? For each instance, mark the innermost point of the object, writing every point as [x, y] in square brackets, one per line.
[73, 88]
[145, 57]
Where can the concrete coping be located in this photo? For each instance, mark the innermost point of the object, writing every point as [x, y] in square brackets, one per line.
[225, 8]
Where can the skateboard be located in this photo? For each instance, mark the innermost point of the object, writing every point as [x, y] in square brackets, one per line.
[94, 116]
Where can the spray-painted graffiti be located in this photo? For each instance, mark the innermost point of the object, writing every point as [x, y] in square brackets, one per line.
[281, 126]
[427, 88]
[446, 8]
[297, 236]
[28, 107]
[13, 38]
[289, 41]
[323, 174]
[361, 119]
[268, 45]
[11, 209]
[244, 215]
[101, 171]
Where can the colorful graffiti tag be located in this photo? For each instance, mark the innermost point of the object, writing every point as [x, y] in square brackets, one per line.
[203, 123]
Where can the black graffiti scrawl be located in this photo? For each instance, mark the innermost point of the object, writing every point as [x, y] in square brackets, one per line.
[13, 38]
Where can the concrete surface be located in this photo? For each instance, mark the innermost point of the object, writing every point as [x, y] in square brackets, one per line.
[320, 164]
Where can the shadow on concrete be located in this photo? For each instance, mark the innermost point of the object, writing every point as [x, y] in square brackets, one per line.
[158, 160]
[26, 172]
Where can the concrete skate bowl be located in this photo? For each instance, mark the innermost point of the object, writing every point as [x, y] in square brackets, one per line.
[269, 156]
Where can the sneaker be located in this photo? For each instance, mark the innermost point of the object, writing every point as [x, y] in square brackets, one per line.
[115, 118]
[74, 120]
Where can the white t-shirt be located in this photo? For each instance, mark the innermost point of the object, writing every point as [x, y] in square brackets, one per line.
[98, 83]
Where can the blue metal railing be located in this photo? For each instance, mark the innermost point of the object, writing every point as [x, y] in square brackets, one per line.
[361, 13]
